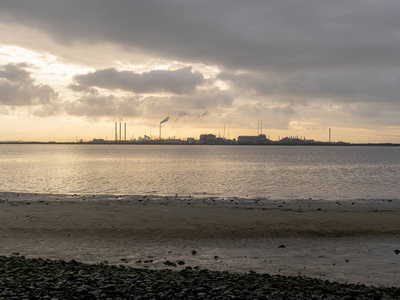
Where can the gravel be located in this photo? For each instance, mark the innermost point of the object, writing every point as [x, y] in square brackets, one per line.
[22, 278]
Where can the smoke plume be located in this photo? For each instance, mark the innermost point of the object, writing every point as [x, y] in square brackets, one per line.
[181, 114]
[165, 120]
[202, 115]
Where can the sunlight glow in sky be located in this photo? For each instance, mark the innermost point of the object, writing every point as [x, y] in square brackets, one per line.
[69, 70]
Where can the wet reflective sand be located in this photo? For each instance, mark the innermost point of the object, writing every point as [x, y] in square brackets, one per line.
[342, 241]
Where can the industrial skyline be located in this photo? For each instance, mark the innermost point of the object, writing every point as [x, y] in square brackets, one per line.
[210, 138]
[69, 69]
[118, 137]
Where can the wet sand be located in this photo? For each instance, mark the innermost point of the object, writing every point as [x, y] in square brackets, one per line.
[346, 241]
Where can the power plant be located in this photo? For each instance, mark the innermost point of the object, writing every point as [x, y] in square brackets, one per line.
[163, 121]
[212, 139]
[119, 138]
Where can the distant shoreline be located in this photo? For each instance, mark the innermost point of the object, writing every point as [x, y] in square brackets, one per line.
[197, 144]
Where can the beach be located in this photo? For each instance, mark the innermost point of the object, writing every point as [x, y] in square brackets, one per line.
[343, 241]
[22, 278]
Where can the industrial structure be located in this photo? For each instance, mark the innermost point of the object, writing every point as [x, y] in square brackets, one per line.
[163, 121]
[212, 139]
[119, 138]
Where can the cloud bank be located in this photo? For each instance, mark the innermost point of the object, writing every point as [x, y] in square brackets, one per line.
[182, 81]
[293, 62]
[17, 88]
[255, 35]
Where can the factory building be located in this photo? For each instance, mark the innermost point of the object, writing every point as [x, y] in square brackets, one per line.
[253, 139]
[295, 141]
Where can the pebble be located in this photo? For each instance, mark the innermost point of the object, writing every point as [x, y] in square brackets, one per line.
[22, 278]
[170, 263]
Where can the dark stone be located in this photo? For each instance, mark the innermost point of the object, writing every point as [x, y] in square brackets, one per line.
[169, 263]
[42, 284]
[46, 279]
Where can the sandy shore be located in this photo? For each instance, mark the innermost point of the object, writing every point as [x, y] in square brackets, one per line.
[347, 241]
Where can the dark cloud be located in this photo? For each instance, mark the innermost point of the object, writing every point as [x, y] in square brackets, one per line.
[18, 88]
[257, 83]
[281, 53]
[273, 116]
[78, 88]
[95, 106]
[188, 106]
[15, 73]
[252, 35]
[182, 81]
[372, 114]
[204, 100]
[372, 85]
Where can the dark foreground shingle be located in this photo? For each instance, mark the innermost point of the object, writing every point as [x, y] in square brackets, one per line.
[22, 278]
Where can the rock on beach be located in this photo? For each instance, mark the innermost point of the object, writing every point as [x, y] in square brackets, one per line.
[22, 278]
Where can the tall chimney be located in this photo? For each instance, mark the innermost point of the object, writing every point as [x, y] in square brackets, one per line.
[116, 131]
[125, 131]
[224, 130]
[261, 126]
[329, 135]
[120, 131]
[163, 121]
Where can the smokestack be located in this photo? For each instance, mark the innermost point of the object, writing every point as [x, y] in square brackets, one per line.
[125, 131]
[261, 126]
[224, 130]
[120, 131]
[258, 127]
[329, 135]
[163, 121]
[116, 131]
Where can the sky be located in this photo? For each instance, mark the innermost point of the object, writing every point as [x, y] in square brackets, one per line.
[70, 69]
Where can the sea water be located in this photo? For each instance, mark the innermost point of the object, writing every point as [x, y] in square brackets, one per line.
[267, 172]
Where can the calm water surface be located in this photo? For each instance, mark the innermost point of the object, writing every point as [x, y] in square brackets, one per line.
[276, 172]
